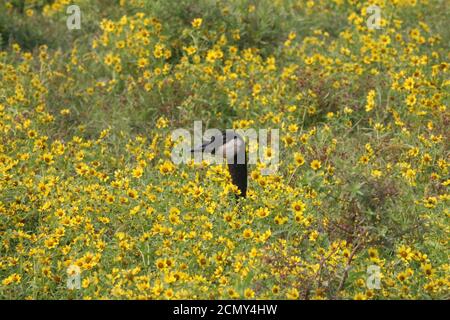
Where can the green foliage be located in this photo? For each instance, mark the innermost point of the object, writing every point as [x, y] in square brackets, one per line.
[86, 177]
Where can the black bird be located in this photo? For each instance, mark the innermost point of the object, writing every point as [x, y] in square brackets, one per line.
[231, 146]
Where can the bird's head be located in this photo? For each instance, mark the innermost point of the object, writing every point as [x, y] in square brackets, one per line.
[228, 144]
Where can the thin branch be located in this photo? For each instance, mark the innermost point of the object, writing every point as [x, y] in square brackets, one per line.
[347, 269]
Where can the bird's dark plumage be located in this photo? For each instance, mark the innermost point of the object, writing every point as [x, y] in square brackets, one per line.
[238, 174]
[232, 147]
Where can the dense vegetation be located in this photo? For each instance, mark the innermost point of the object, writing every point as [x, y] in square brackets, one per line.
[87, 182]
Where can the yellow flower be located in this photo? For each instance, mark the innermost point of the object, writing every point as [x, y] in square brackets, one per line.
[405, 253]
[249, 293]
[293, 128]
[373, 253]
[410, 175]
[299, 160]
[190, 50]
[364, 159]
[411, 100]
[370, 100]
[409, 83]
[169, 294]
[256, 89]
[142, 62]
[13, 278]
[197, 22]
[292, 294]
[232, 293]
[316, 165]
[137, 172]
[427, 269]
[360, 296]
[298, 206]
[247, 234]
[32, 134]
[402, 276]
[262, 212]
[313, 235]
[160, 264]
[133, 194]
[166, 168]
[376, 173]
[430, 202]
[109, 59]
[162, 122]
[47, 158]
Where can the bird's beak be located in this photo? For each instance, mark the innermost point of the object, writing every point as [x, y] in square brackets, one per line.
[200, 148]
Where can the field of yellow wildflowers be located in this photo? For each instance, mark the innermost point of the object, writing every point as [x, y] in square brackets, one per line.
[358, 208]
